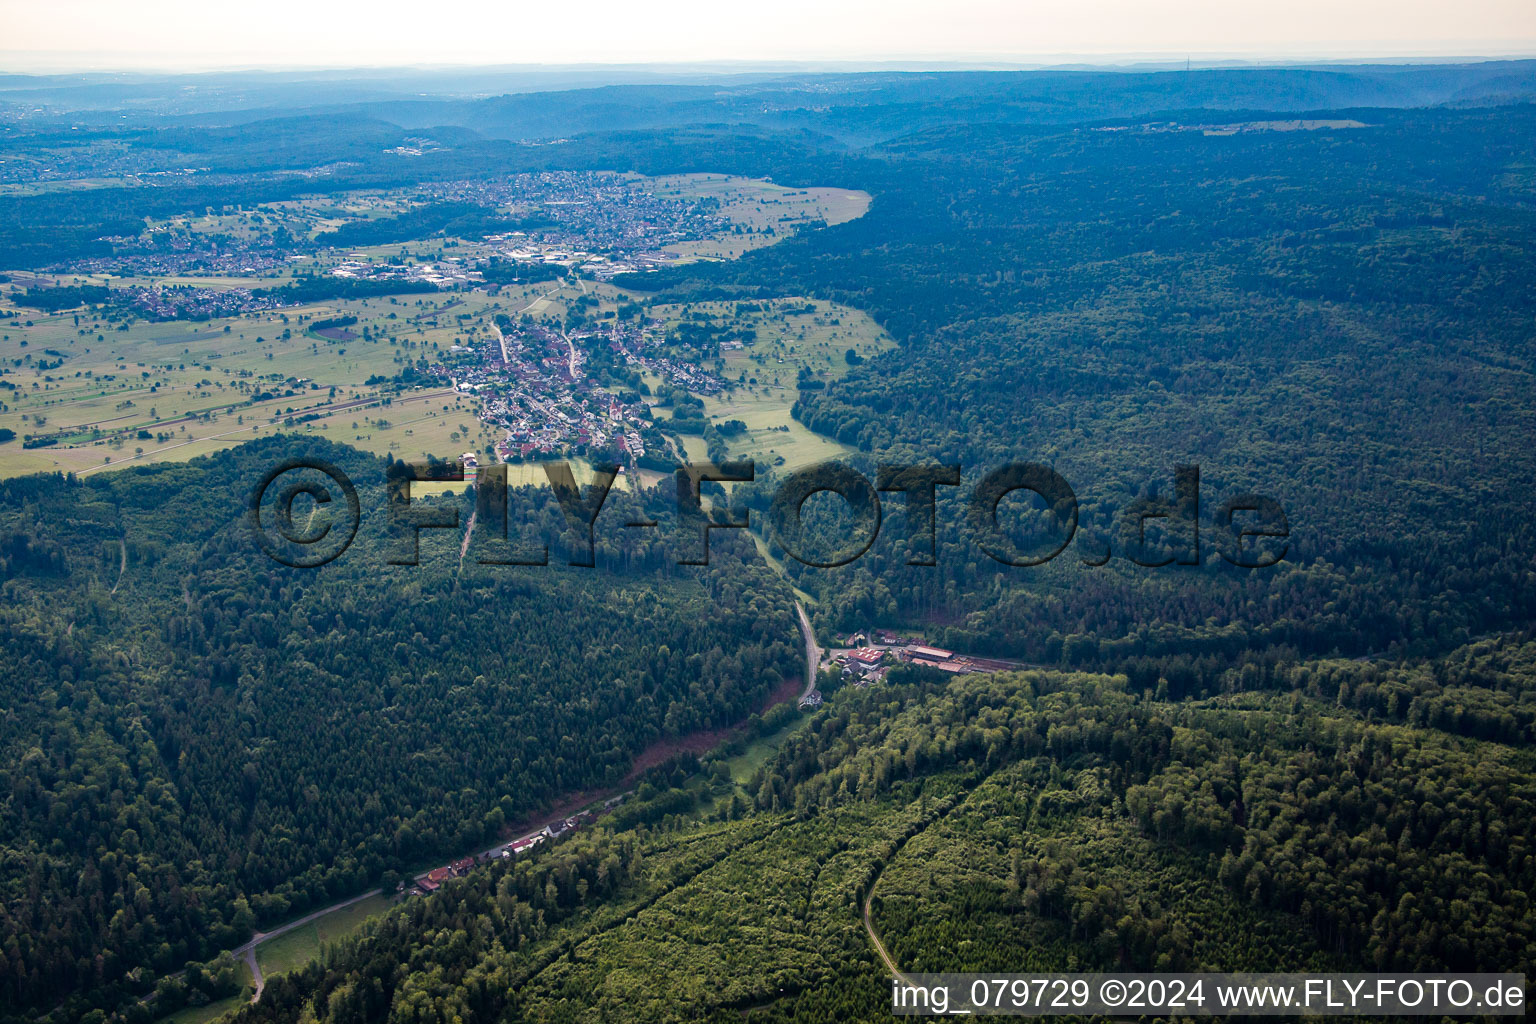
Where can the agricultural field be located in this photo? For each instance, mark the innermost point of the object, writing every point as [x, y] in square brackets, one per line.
[765, 212]
[300, 218]
[140, 391]
[82, 390]
[794, 335]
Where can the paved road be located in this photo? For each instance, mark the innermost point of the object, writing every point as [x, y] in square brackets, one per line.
[502, 338]
[247, 952]
[812, 652]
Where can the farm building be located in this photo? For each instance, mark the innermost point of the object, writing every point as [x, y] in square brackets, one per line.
[930, 653]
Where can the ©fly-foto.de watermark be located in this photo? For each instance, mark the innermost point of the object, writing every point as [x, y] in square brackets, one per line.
[1249, 530]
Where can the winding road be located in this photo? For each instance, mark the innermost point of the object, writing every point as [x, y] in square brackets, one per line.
[812, 652]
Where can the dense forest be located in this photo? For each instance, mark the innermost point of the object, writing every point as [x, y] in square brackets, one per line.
[1324, 763]
[1337, 320]
[198, 742]
[1034, 821]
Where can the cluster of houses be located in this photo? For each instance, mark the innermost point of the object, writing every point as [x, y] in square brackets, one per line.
[608, 223]
[449, 271]
[161, 254]
[687, 375]
[188, 303]
[434, 879]
[630, 343]
[864, 658]
[531, 386]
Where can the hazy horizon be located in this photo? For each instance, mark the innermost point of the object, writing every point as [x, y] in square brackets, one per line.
[14, 63]
[173, 36]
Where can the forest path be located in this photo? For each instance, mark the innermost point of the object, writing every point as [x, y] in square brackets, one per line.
[469, 531]
[941, 812]
[874, 937]
[122, 545]
[257, 980]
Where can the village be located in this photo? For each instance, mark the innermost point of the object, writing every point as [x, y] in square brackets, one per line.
[531, 386]
[160, 253]
[185, 302]
[530, 381]
[607, 223]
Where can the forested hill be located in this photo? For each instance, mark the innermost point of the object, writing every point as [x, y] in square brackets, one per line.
[853, 108]
[1038, 821]
[1334, 310]
[858, 109]
[197, 742]
[1339, 319]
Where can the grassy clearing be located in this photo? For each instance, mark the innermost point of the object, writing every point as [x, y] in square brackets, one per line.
[793, 336]
[757, 206]
[294, 949]
[745, 764]
[215, 1010]
[203, 1014]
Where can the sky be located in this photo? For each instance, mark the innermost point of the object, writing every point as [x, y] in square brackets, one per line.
[208, 34]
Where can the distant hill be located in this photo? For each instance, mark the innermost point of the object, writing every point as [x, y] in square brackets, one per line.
[855, 108]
